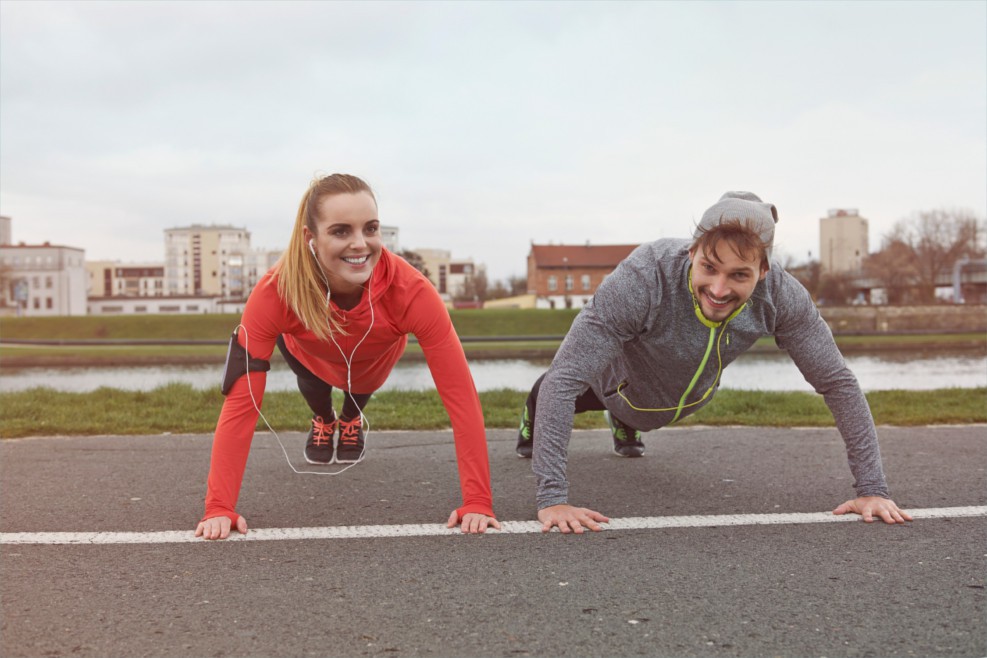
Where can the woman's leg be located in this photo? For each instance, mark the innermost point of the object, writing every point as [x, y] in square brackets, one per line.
[317, 393]
[318, 396]
[351, 444]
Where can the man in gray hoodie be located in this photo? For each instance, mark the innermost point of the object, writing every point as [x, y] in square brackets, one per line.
[650, 347]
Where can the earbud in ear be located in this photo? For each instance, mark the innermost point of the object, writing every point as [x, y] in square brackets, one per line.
[311, 246]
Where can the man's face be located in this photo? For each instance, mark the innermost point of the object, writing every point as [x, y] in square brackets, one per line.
[723, 286]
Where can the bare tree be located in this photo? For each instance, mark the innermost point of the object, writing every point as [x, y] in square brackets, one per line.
[416, 261]
[475, 287]
[498, 291]
[809, 274]
[835, 289]
[894, 267]
[518, 285]
[930, 242]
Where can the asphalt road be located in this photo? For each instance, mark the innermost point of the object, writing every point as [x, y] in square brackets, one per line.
[824, 589]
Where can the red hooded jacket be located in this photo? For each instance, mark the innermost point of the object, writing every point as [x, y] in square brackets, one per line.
[403, 302]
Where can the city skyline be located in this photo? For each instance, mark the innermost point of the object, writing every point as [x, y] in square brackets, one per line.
[484, 127]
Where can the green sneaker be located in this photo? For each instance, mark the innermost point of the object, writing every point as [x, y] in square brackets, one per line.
[626, 440]
[525, 435]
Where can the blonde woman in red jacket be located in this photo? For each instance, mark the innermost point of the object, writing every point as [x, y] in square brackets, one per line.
[340, 307]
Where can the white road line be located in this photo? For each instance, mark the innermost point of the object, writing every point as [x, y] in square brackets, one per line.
[427, 530]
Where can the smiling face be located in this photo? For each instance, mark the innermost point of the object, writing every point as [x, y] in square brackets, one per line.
[347, 240]
[724, 282]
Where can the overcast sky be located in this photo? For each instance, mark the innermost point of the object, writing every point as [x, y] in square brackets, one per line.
[485, 126]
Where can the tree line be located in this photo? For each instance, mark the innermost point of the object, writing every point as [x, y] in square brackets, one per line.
[915, 254]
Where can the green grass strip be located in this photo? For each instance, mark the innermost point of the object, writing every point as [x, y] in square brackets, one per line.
[179, 408]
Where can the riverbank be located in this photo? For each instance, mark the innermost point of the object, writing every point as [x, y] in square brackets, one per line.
[179, 408]
[55, 356]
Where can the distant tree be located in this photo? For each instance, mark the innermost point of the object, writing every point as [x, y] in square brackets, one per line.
[928, 243]
[894, 267]
[809, 274]
[415, 260]
[498, 291]
[475, 287]
[835, 289]
[6, 283]
[518, 285]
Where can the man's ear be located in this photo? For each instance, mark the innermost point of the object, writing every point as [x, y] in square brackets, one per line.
[765, 268]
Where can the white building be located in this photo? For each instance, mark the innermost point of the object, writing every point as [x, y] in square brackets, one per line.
[151, 305]
[46, 279]
[389, 237]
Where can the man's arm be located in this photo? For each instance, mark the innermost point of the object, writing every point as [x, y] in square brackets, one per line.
[803, 333]
[618, 312]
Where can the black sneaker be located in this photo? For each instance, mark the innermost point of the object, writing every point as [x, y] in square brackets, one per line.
[349, 450]
[626, 440]
[525, 434]
[318, 448]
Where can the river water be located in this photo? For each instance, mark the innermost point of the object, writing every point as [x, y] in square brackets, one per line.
[766, 372]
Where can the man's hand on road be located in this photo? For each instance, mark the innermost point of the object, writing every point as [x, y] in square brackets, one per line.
[570, 519]
[871, 507]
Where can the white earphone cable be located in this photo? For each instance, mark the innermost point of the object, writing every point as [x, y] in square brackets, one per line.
[349, 381]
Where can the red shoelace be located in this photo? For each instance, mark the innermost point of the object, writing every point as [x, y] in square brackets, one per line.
[322, 431]
[349, 431]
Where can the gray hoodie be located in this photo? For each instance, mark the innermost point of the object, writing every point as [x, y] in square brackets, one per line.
[645, 352]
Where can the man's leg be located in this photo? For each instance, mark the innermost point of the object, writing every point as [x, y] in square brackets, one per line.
[626, 440]
[526, 432]
[318, 396]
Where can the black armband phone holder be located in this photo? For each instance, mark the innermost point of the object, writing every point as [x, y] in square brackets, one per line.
[237, 362]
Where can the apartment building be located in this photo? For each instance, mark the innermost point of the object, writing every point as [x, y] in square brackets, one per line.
[207, 261]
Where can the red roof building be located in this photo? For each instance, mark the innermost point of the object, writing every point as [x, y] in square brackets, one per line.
[566, 276]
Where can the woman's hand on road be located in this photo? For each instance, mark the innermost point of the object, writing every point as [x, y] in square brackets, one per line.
[570, 519]
[218, 527]
[473, 523]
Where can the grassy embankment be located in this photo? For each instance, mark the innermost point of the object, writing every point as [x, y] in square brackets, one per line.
[180, 408]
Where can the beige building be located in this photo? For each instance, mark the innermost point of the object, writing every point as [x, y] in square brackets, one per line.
[449, 275]
[116, 279]
[843, 243]
[207, 260]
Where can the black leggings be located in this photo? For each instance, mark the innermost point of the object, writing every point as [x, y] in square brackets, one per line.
[318, 394]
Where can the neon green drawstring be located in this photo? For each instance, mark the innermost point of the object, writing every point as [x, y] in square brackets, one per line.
[713, 339]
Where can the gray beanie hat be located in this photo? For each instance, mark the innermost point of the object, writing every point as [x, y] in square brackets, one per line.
[746, 207]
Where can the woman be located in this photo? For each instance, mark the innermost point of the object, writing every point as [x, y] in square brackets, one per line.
[340, 307]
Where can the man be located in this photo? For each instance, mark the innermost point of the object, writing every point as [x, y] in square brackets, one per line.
[650, 347]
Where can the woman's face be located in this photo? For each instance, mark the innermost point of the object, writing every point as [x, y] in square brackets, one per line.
[347, 240]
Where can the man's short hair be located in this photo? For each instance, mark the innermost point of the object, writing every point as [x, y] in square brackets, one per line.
[742, 237]
[742, 219]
